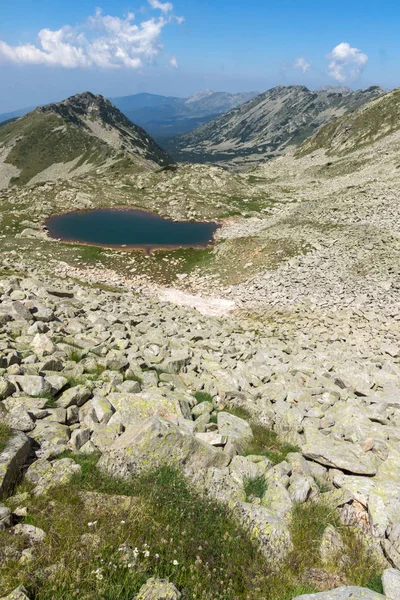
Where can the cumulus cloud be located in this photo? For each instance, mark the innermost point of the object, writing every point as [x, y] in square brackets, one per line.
[165, 7]
[302, 64]
[173, 62]
[346, 62]
[103, 41]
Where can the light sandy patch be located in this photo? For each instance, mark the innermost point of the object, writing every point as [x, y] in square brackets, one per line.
[215, 307]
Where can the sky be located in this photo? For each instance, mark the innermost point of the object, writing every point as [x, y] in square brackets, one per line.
[50, 50]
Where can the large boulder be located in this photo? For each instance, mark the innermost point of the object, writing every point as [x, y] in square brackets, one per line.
[339, 455]
[12, 459]
[154, 442]
[19, 593]
[158, 589]
[391, 583]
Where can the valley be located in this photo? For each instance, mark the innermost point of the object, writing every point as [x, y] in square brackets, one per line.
[265, 368]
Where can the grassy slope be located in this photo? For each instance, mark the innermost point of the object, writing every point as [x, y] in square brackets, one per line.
[358, 129]
[41, 142]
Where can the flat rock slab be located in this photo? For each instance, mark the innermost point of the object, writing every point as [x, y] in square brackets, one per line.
[158, 589]
[391, 583]
[339, 455]
[344, 593]
[19, 593]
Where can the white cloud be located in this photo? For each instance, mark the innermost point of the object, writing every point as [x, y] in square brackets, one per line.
[165, 7]
[303, 64]
[173, 62]
[346, 62]
[103, 41]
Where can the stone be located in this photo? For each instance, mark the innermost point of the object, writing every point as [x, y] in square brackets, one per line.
[238, 430]
[12, 459]
[391, 546]
[300, 487]
[19, 419]
[158, 589]
[75, 396]
[267, 530]
[45, 474]
[221, 486]
[131, 408]
[331, 545]
[203, 407]
[33, 385]
[5, 517]
[391, 583]
[19, 593]
[6, 388]
[153, 442]
[340, 455]
[34, 534]
[79, 437]
[43, 345]
[344, 593]
[212, 437]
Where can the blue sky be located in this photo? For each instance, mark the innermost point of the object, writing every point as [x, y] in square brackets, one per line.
[229, 45]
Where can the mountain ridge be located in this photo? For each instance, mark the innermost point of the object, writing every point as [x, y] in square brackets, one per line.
[266, 125]
[80, 134]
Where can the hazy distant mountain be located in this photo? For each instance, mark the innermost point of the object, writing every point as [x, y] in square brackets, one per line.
[15, 114]
[164, 116]
[81, 134]
[266, 125]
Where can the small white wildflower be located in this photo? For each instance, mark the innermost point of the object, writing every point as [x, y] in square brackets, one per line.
[123, 522]
[92, 523]
[99, 576]
[156, 556]
[146, 553]
[175, 563]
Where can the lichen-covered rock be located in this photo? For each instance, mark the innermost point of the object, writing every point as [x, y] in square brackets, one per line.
[391, 546]
[268, 531]
[12, 459]
[154, 442]
[238, 430]
[33, 385]
[340, 455]
[76, 395]
[5, 517]
[45, 474]
[34, 534]
[158, 589]
[19, 593]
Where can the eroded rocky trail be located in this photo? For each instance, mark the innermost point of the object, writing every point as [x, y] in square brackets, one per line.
[262, 417]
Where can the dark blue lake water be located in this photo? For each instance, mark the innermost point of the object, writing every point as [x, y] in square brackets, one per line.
[131, 228]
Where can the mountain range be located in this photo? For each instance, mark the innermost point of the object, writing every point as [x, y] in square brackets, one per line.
[166, 116]
[266, 125]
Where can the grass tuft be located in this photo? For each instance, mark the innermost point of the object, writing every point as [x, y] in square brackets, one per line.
[202, 397]
[5, 435]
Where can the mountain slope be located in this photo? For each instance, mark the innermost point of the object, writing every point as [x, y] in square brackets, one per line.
[81, 134]
[164, 116]
[358, 129]
[266, 125]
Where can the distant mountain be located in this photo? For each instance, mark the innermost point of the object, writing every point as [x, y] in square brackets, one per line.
[358, 129]
[15, 114]
[165, 116]
[82, 134]
[267, 124]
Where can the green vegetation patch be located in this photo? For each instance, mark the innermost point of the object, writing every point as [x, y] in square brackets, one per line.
[5, 435]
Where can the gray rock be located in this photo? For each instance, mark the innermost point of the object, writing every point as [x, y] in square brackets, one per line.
[34, 534]
[154, 442]
[75, 396]
[19, 593]
[12, 459]
[5, 517]
[391, 546]
[33, 385]
[158, 589]
[391, 583]
[238, 430]
[6, 389]
[340, 455]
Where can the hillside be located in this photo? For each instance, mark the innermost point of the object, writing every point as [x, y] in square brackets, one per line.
[76, 136]
[166, 116]
[265, 126]
[358, 129]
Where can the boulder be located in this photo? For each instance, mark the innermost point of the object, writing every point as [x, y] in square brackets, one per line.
[19, 593]
[12, 459]
[45, 474]
[154, 442]
[340, 455]
[391, 583]
[238, 430]
[158, 589]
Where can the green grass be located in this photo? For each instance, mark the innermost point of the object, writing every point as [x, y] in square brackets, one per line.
[5, 435]
[75, 356]
[202, 397]
[255, 487]
[168, 530]
[265, 442]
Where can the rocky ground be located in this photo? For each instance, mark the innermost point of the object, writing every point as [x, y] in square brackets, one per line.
[282, 399]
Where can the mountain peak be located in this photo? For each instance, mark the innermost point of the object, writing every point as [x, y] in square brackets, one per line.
[83, 133]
